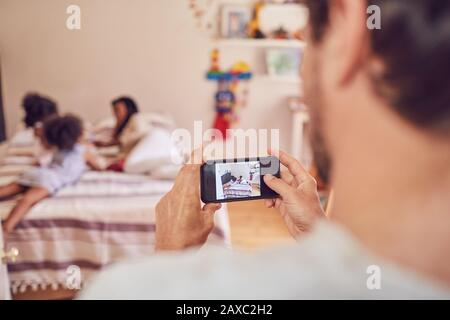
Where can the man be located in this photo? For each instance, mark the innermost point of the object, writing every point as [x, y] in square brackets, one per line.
[380, 103]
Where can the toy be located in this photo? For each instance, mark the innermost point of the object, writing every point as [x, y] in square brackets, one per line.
[215, 61]
[280, 34]
[253, 27]
[226, 96]
[225, 102]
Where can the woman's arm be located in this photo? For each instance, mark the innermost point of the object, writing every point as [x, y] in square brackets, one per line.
[93, 162]
[104, 144]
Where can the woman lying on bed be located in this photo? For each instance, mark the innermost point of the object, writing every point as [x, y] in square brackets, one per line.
[129, 130]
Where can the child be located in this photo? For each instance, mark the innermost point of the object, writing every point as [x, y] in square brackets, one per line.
[60, 134]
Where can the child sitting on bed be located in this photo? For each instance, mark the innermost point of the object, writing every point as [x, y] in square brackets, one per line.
[61, 135]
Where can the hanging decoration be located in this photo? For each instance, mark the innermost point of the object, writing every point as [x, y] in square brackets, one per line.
[228, 97]
[203, 12]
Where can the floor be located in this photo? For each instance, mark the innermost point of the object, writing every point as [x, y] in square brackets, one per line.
[253, 227]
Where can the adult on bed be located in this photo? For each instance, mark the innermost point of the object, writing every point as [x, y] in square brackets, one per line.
[61, 135]
[129, 129]
[380, 104]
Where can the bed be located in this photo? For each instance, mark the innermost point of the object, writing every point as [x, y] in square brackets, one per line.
[238, 190]
[105, 218]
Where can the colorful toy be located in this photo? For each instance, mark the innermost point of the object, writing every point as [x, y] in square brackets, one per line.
[226, 96]
[215, 67]
[254, 30]
[225, 102]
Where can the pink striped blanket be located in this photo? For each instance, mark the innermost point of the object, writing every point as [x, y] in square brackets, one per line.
[237, 190]
[105, 218]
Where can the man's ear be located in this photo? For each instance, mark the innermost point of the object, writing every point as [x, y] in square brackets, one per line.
[350, 41]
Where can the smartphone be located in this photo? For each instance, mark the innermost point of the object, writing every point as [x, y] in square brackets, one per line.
[237, 179]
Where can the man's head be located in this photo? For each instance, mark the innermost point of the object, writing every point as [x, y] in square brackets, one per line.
[373, 84]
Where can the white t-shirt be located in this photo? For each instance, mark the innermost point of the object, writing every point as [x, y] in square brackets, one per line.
[328, 264]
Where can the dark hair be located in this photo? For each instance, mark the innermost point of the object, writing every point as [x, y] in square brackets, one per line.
[37, 108]
[414, 44]
[62, 132]
[132, 108]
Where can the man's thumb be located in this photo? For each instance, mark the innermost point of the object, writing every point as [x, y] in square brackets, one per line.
[278, 185]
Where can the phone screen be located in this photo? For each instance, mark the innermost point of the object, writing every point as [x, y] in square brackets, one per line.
[237, 180]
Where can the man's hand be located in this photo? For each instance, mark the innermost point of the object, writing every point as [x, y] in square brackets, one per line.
[180, 221]
[299, 203]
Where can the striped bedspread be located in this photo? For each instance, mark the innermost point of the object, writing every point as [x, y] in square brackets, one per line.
[237, 190]
[106, 217]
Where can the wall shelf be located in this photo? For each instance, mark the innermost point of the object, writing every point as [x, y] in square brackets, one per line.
[261, 43]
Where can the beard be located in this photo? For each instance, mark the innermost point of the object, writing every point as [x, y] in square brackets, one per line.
[313, 97]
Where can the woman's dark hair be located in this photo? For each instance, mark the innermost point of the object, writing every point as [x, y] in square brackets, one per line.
[414, 44]
[132, 108]
[37, 108]
[62, 132]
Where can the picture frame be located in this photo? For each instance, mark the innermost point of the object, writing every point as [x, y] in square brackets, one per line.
[234, 21]
[283, 62]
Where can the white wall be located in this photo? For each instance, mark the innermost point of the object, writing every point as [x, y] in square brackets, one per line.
[149, 49]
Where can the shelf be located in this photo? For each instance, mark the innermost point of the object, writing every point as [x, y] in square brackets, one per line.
[228, 76]
[261, 43]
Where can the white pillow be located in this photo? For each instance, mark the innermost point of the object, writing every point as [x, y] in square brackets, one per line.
[23, 138]
[154, 118]
[166, 172]
[151, 153]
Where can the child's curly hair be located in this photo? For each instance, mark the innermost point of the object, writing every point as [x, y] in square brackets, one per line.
[62, 132]
[37, 108]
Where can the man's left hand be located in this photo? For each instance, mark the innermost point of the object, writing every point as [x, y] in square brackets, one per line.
[181, 222]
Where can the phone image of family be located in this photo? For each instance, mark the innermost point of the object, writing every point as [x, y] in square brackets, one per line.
[237, 179]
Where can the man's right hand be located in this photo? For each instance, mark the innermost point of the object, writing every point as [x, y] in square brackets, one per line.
[299, 203]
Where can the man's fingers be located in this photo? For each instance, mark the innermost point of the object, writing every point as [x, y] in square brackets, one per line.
[289, 178]
[294, 166]
[196, 156]
[277, 203]
[190, 172]
[269, 203]
[187, 181]
[278, 185]
[211, 208]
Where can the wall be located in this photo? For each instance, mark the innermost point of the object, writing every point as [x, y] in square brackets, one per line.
[149, 49]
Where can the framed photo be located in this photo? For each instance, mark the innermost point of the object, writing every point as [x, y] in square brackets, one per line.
[289, 17]
[283, 62]
[235, 19]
